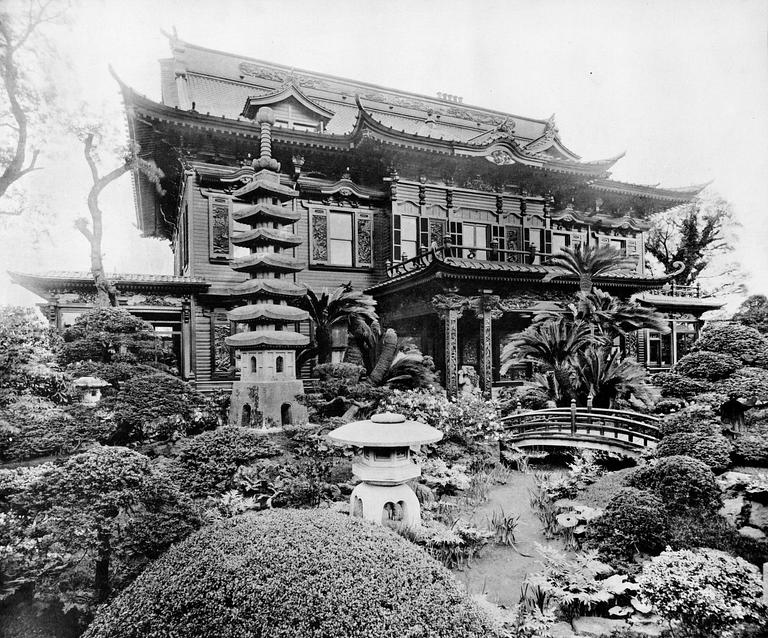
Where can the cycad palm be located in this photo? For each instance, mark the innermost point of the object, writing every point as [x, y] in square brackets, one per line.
[343, 306]
[554, 343]
[614, 316]
[588, 262]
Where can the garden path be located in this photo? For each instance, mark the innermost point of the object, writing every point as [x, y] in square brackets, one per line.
[499, 571]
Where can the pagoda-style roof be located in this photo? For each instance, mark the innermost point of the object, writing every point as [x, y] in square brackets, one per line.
[667, 300]
[266, 237]
[52, 282]
[266, 213]
[267, 313]
[269, 187]
[385, 430]
[626, 222]
[209, 94]
[278, 288]
[267, 339]
[267, 262]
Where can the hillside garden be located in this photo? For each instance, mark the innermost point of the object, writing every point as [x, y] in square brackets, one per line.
[146, 515]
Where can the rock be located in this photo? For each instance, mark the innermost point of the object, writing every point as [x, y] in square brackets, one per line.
[752, 532]
[731, 509]
[733, 480]
[597, 626]
[758, 517]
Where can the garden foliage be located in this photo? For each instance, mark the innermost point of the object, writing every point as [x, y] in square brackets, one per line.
[696, 418]
[710, 366]
[735, 340]
[712, 449]
[706, 591]
[293, 573]
[76, 531]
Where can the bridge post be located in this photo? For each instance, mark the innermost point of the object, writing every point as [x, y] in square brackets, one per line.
[590, 398]
[573, 416]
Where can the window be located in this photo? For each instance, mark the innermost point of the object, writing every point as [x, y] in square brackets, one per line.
[279, 365]
[619, 245]
[409, 238]
[475, 235]
[340, 239]
[254, 365]
[297, 118]
[560, 241]
[659, 350]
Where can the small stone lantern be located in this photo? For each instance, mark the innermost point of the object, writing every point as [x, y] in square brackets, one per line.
[386, 465]
[90, 389]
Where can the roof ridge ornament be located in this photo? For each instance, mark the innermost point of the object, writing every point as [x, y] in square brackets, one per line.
[265, 118]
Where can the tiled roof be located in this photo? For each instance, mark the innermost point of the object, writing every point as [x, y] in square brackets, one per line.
[87, 275]
[56, 279]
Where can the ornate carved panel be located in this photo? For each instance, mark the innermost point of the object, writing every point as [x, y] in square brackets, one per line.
[318, 236]
[221, 355]
[218, 223]
[364, 239]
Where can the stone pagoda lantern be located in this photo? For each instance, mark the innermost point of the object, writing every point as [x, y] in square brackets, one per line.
[385, 466]
[90, 389]
[265, 348]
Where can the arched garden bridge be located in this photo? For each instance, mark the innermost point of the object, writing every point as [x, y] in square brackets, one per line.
[621, 431]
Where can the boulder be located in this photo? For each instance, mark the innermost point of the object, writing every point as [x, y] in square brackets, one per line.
[758, 516]
[597, 626]
[752, 532]
[734, 480]
[731, 509]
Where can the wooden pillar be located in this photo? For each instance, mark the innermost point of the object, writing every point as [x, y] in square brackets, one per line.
[487, 310]
[450, 308]
[186, 341]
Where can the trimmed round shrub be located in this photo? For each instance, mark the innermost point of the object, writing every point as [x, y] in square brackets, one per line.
[634, 520]
[681, 482]
[286, 573]
[733, 339]
[159, 405]
[705, 590]
[530, 397]
[712, 449]
[669, 405]
[751, 447]
[204, 464]
[703, 364]
[676, 385]
[748, 384]
[695, 418]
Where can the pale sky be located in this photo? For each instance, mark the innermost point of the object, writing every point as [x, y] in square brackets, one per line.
[680, 85]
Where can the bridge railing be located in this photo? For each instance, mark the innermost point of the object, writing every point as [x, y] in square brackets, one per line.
[623, 426]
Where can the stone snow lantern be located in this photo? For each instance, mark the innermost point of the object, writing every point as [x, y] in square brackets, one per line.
[386, 465]
[90, 389]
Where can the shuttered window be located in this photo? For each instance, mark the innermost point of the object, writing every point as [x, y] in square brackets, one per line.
[340, 238]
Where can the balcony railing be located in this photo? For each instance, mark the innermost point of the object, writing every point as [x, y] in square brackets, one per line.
[676, 290]
[481, 253]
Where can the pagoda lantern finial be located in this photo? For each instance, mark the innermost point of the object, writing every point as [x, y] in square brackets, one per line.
[265, 118]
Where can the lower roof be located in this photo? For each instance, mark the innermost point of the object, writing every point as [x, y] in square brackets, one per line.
[53, 281]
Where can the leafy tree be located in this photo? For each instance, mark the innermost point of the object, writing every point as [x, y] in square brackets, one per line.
[344, 307]
[693, 235]
[753, 312]
[78, 530]
[589, 261]
[112, 336]
[90, 135]
[27, 358]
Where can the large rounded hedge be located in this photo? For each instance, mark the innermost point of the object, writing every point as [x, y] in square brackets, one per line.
[735, 340]
[703, 364]
[634, 520]
[694, 418]
[681, 482]
[286, 573]
[712, 449]
[676, 385]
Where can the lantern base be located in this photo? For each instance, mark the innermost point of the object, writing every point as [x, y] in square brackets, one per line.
[384, 504]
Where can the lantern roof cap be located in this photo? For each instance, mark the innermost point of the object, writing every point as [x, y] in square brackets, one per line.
[90, 382]
[386, 429]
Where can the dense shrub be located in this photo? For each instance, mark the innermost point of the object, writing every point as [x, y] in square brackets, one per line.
[293, 573]
[78, 530]
[703, 364]
[751, 446]
[530, 397]
[712, 449]
[669, 405]
[111, 335]
[747, 384]
[696, 418]
[691, 529]
[675, 385]
[681, 482]
[160, 405]
[733, 339]
[114, 372]
[33, 427]
[705, 590]
[462, 417]
[634, 520]
[27, 362]
[205, 464]
[349, 373]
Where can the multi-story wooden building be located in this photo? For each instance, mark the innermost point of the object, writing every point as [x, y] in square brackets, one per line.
[446, 213]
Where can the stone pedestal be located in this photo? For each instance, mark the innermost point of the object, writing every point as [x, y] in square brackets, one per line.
[267, 404]
[384, 504]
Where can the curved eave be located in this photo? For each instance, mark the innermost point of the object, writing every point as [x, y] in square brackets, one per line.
[267, 312]
[266, 237]
[266, 213]
[268, 187]
[263, 339]
[269, 262]
[366, 127]
[700, 304]
[254, 102]
[671, 195]
[276, 288]
[578, 217]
